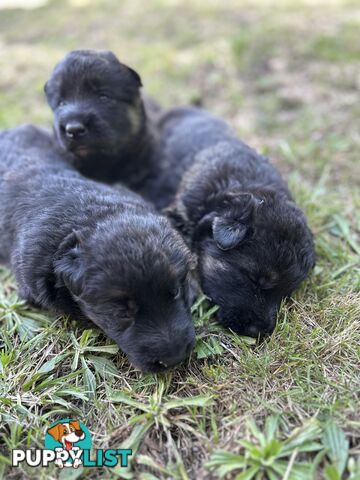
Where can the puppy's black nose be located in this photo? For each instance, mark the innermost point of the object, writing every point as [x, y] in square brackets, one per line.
[175, 357]
[75, 129]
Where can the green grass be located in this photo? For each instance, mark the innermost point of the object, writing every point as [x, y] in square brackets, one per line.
[285, 75]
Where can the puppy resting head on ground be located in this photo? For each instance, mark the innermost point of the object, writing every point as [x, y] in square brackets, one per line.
[95, 253]
[133, 285]
[98, 111]
[253, 242]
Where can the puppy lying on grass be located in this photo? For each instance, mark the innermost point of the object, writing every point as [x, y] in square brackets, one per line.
[253, 242]
[84, 249]
[100, 117]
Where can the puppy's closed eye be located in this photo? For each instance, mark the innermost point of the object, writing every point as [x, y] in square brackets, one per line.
[105, 97]
[267, 282]
[176, 293]
[125, 309]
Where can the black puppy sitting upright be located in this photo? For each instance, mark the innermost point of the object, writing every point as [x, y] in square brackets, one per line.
[253, 242]
[85, 249]
[100, 117]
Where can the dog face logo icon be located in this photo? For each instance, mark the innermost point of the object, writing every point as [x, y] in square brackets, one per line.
[68, 438]
[67, 433]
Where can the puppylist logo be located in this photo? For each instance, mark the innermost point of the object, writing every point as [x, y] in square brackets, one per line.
[68, 444]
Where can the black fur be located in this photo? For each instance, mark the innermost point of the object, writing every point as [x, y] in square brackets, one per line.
[100, 118]
[84, 249]
[232, 205]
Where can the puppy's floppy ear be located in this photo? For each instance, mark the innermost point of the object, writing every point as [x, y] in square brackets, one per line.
[113, 58]
[56, 431]
[234, 225]
[49, 93]
[75, 424]
[135, 76]
[227, 233]
[68, 263]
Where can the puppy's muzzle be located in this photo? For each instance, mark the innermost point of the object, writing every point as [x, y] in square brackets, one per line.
[174, 357]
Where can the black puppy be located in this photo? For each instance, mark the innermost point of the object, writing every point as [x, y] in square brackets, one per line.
[100, 117]
[253, 242]
[84, 249]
